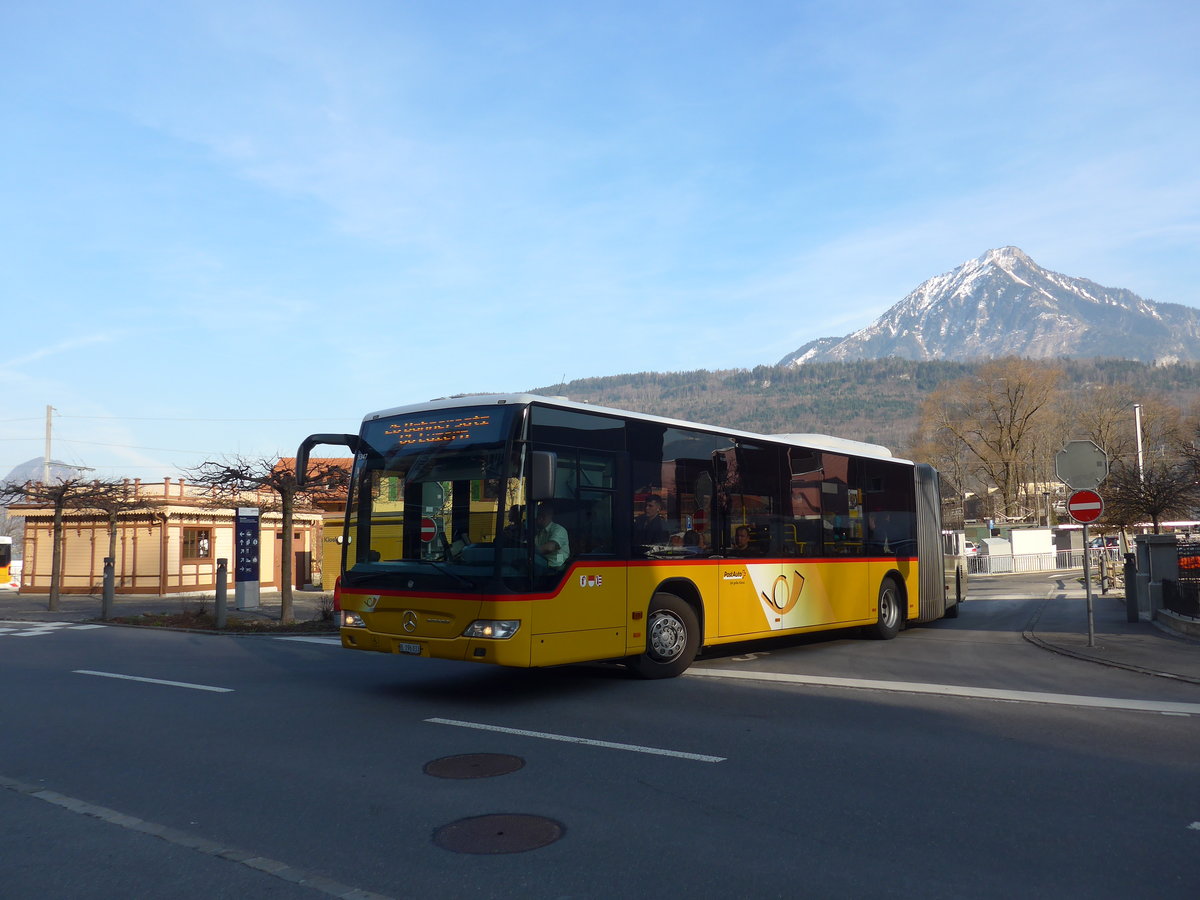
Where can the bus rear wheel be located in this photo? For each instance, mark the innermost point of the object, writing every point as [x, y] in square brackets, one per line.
[672, 638]
[887, 626]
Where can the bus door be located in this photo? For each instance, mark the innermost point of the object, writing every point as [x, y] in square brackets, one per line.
[823, 539]
[754, 589]
[845, 594]
[581, 605]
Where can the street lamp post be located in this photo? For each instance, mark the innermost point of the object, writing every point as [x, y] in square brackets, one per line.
[1137, 425]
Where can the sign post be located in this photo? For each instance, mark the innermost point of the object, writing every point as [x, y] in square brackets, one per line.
[1081, 466]
[1086, 506]
[245, 536]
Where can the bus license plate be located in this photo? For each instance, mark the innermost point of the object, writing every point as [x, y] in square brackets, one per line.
[414, 649]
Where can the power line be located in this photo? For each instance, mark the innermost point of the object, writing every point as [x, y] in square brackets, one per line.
[136, 447]
[170, 419]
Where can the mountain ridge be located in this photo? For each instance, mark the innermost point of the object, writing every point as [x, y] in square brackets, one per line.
[1001, 304]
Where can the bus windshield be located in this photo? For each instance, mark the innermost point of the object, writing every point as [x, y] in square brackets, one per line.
[430, 500]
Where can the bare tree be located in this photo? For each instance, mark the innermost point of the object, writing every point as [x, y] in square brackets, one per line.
[120, 498]
[230, 480]
[1104, 414]
[1164, 489]
[61, 495]
[1002, 416]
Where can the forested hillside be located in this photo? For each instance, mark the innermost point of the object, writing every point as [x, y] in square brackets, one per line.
[870, 400]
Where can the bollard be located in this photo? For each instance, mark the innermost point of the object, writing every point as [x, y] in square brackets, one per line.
[222, 588]
[1131, 601]
[106, 602]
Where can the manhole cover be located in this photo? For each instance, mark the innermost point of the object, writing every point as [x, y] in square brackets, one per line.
[501, 833]
[474, 765]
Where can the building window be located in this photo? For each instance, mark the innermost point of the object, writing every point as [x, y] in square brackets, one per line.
[197, 543]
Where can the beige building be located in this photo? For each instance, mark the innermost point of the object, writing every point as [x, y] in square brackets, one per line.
[171, 547]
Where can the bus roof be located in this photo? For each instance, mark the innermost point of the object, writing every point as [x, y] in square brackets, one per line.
[811, 441]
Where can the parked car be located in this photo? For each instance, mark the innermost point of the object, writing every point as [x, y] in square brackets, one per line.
[971, 548]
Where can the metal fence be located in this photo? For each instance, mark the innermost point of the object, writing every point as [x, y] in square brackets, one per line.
[1006, 564]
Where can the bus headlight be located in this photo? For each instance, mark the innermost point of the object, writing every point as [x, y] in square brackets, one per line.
[496, 629]
[352, 620]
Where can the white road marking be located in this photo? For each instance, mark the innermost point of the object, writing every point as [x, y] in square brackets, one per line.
[954, 690]
[336, 642]
[182, 684]
[33, 629]
[578, 740]
[191, 841]
[23, 624]
[1195, 826]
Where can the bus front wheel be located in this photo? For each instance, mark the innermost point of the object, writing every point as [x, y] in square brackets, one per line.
[672, 638]
[887, 626]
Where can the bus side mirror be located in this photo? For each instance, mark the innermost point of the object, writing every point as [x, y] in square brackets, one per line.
[348, 440]
[542, 467]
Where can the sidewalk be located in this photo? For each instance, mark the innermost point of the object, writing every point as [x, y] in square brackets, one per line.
[1147, 647]
[19, 607]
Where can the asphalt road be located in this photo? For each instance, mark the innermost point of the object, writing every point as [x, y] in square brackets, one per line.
[957, 760]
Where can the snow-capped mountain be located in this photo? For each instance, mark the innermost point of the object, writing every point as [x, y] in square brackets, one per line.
[1005, 304]
[32, 470]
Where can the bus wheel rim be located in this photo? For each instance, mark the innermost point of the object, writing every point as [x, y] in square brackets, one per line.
[667, 636]
[888, 608]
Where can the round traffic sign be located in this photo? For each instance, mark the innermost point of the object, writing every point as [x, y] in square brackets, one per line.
[428, 529]
[1085, 506]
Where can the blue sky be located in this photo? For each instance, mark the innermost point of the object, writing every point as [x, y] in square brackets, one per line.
[226, 225]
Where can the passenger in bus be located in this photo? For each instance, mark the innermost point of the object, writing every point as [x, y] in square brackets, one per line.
[551, 538]
[880, 534]
[650, 529]
[741, 543]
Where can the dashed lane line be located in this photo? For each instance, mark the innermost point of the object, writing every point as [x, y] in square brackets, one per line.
[589, 742]
[179, 684]
[955, 690]
[219, 849]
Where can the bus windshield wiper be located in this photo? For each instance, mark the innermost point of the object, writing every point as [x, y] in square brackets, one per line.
[377, 576]
[441, 567]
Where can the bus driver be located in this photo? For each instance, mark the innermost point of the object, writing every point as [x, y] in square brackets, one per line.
[551, 538]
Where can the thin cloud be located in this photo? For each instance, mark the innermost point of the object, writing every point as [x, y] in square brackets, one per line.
[59, 348]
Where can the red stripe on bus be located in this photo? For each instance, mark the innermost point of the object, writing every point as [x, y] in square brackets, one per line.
[632, 564]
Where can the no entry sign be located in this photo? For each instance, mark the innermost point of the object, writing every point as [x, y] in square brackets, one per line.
[428, 529]
[1085, 506]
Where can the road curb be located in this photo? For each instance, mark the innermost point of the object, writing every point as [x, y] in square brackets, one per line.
[1112, 664]
[1030, 635]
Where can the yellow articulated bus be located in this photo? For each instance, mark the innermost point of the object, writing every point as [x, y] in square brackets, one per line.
[534, 531]
[6, 545]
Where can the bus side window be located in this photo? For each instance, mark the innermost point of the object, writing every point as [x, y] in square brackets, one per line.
[584, 507]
